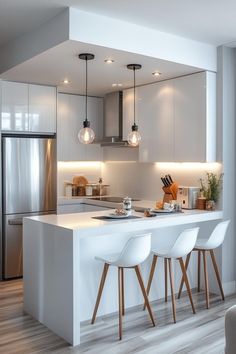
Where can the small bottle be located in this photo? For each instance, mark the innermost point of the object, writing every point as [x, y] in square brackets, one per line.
[127, 205]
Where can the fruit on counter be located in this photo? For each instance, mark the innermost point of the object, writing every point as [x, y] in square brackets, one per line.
[159, 204]
[120, 212]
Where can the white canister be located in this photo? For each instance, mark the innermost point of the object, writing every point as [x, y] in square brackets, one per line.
[127, 204]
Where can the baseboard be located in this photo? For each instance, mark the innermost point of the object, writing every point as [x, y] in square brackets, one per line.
[229, 287]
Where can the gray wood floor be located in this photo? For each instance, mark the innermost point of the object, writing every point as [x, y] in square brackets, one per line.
[196, 334]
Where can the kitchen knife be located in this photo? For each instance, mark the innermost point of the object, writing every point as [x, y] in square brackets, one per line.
[171, 180]
[167, 181]
[163, 181]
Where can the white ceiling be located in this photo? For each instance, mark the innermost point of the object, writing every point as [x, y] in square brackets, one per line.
[58, 63]
[211, 21]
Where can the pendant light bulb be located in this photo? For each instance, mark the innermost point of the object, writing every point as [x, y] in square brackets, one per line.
[134, 137]
[86, 134]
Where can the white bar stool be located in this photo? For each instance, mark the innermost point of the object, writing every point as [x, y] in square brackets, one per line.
[202, 246]
[182, 246]
[135, 252]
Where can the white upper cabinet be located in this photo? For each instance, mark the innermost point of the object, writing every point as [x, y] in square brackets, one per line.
[176, 119]
[14, 112]
[42, 109]
[156, 122]
[71, 114]
[128, 112]
[28, 108]
[195, 117]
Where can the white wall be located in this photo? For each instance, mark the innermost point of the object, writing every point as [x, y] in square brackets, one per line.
[226, 132]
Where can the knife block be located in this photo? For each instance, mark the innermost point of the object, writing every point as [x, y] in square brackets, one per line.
[170, 192]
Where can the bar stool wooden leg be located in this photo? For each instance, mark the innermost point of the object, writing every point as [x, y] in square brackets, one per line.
[199, 272]
[101, 286]
[172, 290]
[187, 283]
[120, 290]
[217, 273]
[166, 283]
[182, 280]
[140, 280]
[123, 292]
[206, 278]
[154, 262]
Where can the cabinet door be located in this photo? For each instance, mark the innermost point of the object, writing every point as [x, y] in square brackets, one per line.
[128, 112]
[93, 152]
[70, 208]
[42, 109]
[89, 207]
[190, 118]
[14, 112]
[71, 114]
[155, 118]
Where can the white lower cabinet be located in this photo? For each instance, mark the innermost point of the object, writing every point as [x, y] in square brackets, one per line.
[70, 208]
[71, 114]
[79, 208]
[89, 207]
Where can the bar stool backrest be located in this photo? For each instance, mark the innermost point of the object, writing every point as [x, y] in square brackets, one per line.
[218, 235]
[184, 243]
[135, 251]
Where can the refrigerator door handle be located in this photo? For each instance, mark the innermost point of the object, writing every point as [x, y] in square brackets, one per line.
[18, 221]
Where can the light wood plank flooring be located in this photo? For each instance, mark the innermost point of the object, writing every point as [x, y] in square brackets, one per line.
[196, 334]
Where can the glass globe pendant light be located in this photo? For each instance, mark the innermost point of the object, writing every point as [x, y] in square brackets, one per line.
[86, 134]
[134, 137]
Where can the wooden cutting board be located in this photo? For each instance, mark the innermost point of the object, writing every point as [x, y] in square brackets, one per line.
[80, 180]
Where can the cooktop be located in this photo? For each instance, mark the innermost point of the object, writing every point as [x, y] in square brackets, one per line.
[112, 199]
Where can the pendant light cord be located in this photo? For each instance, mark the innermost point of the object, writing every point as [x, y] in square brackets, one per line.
[86, 91]
[134, 95]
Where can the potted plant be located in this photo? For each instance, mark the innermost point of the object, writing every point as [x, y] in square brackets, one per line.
[211, 188]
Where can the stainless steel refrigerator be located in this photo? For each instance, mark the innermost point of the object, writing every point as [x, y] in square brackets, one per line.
[28, 188]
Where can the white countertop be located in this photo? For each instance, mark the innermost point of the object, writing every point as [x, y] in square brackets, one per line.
[88, 226]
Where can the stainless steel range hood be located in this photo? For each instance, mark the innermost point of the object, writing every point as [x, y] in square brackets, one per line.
[113, 120]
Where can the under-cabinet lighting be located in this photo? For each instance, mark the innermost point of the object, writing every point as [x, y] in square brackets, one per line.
[78, 164]
[203, 166]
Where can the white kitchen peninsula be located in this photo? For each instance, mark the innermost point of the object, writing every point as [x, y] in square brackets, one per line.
[61, 277]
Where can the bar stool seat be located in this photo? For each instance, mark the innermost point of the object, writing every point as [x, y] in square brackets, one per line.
[135, 252]
[182, 246]
[202, 247]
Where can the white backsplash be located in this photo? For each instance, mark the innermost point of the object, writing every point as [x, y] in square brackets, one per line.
[67, 170]
[142, 180]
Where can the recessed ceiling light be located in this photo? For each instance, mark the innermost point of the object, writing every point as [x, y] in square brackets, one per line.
[156, 73]
[66, 81]
[115, 85]
[109, 61]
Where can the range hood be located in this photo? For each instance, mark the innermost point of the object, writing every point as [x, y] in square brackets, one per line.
[113, 121]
